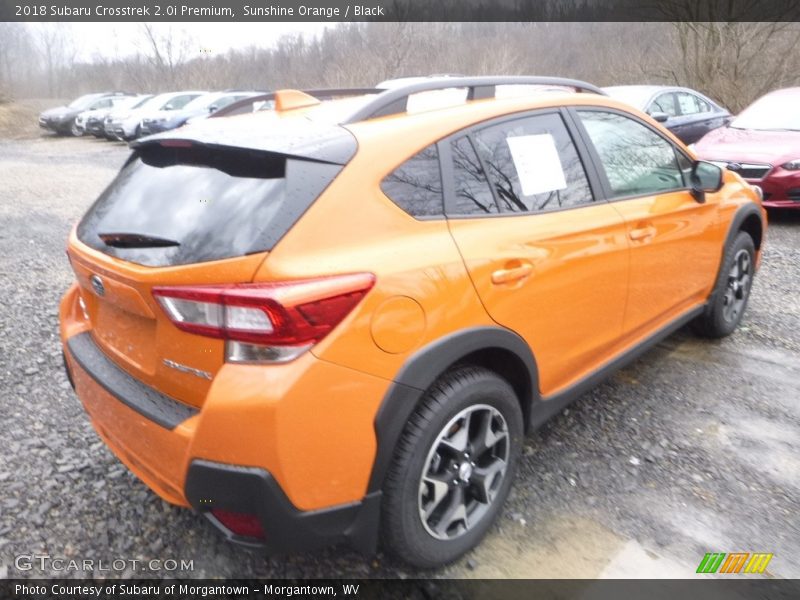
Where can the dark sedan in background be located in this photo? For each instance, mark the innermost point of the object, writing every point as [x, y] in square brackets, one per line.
[61, 120]
[686, 113]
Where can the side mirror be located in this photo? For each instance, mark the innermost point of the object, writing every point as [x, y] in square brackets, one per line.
[213, 108]
[169, 106]
[661, 117]
[705, 177]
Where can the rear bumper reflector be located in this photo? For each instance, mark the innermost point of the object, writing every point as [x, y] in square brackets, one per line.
[148, 402]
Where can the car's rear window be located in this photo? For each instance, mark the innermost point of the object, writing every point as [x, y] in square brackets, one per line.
[190, 205]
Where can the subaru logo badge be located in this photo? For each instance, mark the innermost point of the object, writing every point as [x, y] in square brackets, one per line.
[97, 285]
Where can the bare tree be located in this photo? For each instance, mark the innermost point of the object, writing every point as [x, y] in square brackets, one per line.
[15, 47]
[730, 61]
[58, 50]
[166, 50]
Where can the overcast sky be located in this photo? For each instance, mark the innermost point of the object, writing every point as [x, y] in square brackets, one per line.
[111, 39]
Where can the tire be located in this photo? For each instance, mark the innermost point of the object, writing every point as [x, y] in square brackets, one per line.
[76, 131]
[421, 529]
[728, 301]
[129, 138]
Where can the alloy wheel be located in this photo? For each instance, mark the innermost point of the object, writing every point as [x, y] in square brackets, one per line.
[738, 287]
[463, 472]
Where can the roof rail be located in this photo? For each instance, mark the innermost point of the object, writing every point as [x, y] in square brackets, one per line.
[243, 106]
[395, 100]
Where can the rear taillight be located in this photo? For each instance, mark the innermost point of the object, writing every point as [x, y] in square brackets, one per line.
[265, 321]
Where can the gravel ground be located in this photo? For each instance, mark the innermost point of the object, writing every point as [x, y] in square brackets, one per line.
[694, 448]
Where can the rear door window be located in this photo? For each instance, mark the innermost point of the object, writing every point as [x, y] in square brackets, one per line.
[664, 103]
[172, 206]
[533, 164]
[473, 194]
[691, 104]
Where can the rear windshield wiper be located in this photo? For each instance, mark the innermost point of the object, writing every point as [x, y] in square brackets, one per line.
[135, 240]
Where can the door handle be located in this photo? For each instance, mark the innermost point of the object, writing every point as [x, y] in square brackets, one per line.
[642, 233]
[512, 274]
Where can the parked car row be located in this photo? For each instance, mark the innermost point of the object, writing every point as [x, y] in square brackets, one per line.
[125, 116]
[762, 144]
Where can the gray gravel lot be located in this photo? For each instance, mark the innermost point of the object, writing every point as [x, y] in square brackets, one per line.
[695, 448]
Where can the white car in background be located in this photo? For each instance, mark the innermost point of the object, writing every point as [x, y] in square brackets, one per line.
[128, 126]
[91, 121]
[120, 113]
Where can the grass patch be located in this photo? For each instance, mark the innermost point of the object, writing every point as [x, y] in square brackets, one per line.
[19, 119]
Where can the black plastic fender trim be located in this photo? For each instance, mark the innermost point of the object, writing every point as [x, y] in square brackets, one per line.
[421, 371]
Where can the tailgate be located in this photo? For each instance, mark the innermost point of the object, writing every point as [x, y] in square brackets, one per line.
[132, 328]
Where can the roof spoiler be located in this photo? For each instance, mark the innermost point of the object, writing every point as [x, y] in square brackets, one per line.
[291, 99]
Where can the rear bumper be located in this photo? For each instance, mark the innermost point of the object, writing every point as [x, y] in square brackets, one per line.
[144, 429]
[293, 444]
[146, 401]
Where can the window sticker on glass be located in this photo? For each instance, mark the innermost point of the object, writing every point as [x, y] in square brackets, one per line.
[537, 163]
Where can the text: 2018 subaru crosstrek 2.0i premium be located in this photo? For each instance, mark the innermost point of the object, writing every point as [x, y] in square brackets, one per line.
[335, 321]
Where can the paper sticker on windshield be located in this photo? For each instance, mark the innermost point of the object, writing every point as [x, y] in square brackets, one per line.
[537, 162]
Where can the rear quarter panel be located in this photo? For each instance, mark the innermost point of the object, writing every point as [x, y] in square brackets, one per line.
[422, 289]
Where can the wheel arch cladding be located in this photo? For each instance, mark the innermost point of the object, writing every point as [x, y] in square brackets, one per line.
[752, 225]
[747, 218]
[495, 348]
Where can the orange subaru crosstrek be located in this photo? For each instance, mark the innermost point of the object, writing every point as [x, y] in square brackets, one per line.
[335, 321]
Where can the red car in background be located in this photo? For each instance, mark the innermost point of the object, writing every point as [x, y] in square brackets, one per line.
[762, 145]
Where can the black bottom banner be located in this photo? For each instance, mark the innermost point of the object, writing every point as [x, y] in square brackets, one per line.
[384, 589]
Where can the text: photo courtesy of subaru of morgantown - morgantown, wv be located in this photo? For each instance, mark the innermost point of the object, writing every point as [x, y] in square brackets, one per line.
[334, 321]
